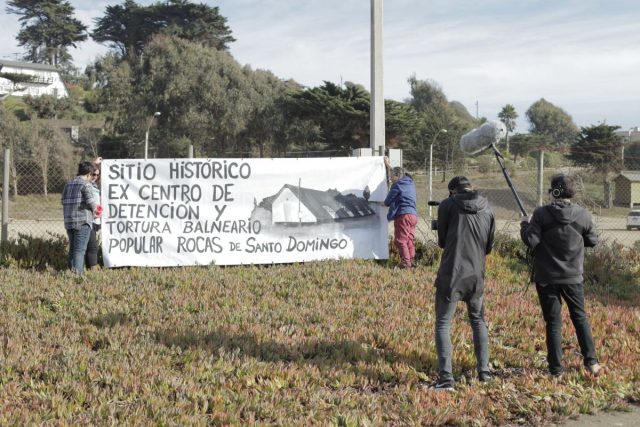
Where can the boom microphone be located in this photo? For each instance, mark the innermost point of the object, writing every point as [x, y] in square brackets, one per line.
[482, 137]
[486, 136]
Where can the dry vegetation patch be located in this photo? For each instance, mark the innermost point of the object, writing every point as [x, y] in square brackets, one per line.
[344, 343]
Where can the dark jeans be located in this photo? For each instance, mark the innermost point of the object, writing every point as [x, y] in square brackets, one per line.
[445, 309]
[551, 297]
[91, 257]
[78, 240]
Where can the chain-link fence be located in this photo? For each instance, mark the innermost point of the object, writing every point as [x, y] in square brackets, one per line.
[615, 223]
[35, 208]
[34, 189]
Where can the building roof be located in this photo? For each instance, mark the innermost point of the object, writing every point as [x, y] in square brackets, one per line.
[29, 65]
[633, 176]
[344, 206]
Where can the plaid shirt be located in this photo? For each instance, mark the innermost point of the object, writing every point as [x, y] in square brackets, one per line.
[78, 203]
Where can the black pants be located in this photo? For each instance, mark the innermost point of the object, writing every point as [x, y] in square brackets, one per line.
[551, 297]
[91, 256]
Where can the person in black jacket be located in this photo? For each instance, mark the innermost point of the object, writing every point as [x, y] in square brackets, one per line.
[466, 228]
[558, 233]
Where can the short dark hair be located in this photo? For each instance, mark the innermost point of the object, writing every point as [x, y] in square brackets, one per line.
[85, 168]
[398, 171]
[562, 186]
[459, 183]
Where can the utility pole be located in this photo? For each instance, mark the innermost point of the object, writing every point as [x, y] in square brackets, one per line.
[376, 120]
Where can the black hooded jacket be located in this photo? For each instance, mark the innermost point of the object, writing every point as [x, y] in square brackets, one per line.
[466, 228]
[558, 234]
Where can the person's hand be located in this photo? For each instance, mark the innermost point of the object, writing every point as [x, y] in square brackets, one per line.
[387, 162]
[98, 160]
[525, 218]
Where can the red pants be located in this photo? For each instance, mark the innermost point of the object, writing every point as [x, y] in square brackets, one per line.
[404, 233]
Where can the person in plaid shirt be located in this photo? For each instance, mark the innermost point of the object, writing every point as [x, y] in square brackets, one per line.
[79, 205]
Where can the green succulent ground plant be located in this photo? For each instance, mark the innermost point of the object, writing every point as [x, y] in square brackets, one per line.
[334, 342]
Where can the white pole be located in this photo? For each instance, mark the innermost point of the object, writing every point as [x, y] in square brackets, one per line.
[430, 176]
[376, 120]
[431, 167]
[541, 178]
[146, 143]
[5, 195]
[146, 134]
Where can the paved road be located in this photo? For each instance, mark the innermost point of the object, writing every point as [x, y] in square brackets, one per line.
[609, 419]
[610, 229]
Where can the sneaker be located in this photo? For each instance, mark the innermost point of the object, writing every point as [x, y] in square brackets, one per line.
[485, 377]
[556, 375]
[443, 386]
[595, 369]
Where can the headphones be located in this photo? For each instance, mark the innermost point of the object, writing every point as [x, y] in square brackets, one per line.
[557, 191]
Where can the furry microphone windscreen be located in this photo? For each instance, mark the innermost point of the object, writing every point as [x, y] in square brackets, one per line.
[482, 137]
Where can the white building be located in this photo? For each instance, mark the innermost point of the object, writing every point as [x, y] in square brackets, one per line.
[46, 80]
[629, 135]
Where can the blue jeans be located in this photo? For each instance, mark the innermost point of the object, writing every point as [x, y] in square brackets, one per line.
[78, 241]
[551, 297]
[91, 254]
[445, 309]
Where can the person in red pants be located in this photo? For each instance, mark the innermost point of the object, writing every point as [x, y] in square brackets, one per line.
[401, 201]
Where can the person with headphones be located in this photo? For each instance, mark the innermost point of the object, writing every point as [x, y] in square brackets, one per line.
[558, 233]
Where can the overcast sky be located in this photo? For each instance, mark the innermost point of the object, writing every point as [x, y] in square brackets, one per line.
[581, 55]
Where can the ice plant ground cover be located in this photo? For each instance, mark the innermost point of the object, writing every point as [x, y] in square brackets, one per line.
[337, 342]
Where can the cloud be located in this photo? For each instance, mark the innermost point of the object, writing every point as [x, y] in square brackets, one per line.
[580, 55]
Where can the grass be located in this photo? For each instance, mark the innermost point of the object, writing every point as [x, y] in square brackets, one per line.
[36, 207]
[338, 343]
[17, 105]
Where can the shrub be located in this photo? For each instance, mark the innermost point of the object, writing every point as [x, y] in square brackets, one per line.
[427, 253]
[38, 253]
[486, 163]
[554, 160]
[510, 247]
[613, 270]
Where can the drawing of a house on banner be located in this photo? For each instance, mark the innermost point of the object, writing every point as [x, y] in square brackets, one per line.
[295, 205]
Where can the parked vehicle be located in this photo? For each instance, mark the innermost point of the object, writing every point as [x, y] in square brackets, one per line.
[633, 220]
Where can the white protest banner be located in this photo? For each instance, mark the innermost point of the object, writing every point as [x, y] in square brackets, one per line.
[174, 212]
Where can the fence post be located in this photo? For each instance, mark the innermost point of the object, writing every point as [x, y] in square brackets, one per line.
[191, 151]
[540, 178]
[5, 196]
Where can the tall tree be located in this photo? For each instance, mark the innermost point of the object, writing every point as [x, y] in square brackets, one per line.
[48, 29]
[129, 27]
[599, 148]
[206, 99]
[551, 122]
[12, 136]
[434, 113]
[508, 116]
[522, 144]
[342, 113]
[632, 156]
[401, 124]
